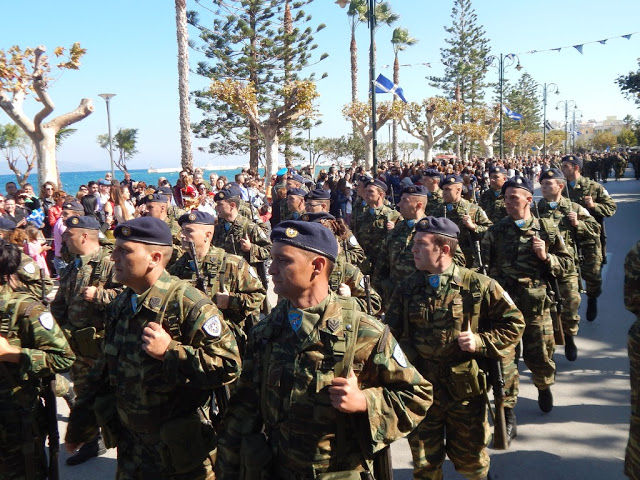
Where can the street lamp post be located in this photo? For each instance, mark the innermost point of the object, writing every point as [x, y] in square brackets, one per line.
[547, 88]
[371, 4]
[567, 104]
[107, 97]
[577, 113]
[510, 59]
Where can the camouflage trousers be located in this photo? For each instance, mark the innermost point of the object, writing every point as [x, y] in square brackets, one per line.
[592, 275]
[14, 451]
[458, 429]
[632, 456]
[79, 374]
[571, 303]
[511, 377]
[140, 458]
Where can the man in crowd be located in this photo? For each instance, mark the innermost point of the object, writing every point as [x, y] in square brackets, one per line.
[491, 200]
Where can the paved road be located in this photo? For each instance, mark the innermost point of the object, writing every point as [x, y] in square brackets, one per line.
[584, 437]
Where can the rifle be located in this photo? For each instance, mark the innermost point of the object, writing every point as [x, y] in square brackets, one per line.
[496, 380]
[367, 291]
[580, 260]
[200, 284]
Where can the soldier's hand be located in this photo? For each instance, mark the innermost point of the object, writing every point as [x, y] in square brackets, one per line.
[588, 201]
[245, 243]
[89, 293]
[573, 218]
[344, 290]
[8, 353]
[222, 298]
[467, 340]
[539, 248]
[346, 396]
[466, 220]
[155, 340]
[390, 225]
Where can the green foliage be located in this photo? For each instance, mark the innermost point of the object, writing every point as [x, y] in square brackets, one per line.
[630, 85]
[627, 138]
[602, 140]
[12, 136]
[15, 146]
[63, 134]
[523, 98]
[124, 141]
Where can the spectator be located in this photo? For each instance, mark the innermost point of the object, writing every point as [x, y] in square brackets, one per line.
[15, 209]
[36, 246]
[11, 189]
[56, 209]
[104, 193]
[82, 191]
[2, 200]
[124, 209]
[109, 208]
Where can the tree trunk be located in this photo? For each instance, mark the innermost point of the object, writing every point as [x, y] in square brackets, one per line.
[353, 50]
[394, 125]
[428, 151]
[254, 147]
[488, 147]
[45, 147]
[368, 150]
[271, 143]
[183, 83]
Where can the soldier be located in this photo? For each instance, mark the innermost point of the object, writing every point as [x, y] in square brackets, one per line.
[359, 204]
[173, 212]
[579, 230]
[600, 205]
[166, 348]
[295, 204]
[446, 319]
[470, 218]
[491, 200]
[319, 200]
[520, 252]
[374, 223]
[325, 382]
[632, 302]
[32, 348]
[157, 207]
[240, 297]
[431, 179]
[86, 288]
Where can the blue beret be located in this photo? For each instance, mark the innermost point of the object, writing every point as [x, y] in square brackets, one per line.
[378, 183]
[90, 223]
[415, 190]
[150, 230]
[318, 194]
[154, 198]
[297, 191]
[310, 236]
[518, 181]
[234, 190]
[282, 171]
[431, 172]
[573, 159]
[317, 217]
[364, 178]
[74, 206]
[438, 226]
[497, 169]
[552, 174]
[102, 181]
[198, 217]
[223, 194]
[451, 180]
[164, 191]
[297, 178]
[6, 224]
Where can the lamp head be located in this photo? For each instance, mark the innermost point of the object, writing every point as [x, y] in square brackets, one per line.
[342, 3]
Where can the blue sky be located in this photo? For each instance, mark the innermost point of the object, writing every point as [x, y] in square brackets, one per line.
[131, 51]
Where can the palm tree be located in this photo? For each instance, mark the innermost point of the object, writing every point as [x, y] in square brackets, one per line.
[357, 14]
[401, 39]
[183, 83]
[384, 16]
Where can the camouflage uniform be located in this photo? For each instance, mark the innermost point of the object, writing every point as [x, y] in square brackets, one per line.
[605, 207]
[174, 213]
[176, 231]
[358, 210]
[371, 231]
[466, 238]
[492, 202]
[434, 203]
[587, 232]
[507, 251]
[151, 409]
[353, 252]
[345, 272]
[26, 324]
[29, 275]
[293, 403]
[246, 292]
[632, 302]
[427, 321]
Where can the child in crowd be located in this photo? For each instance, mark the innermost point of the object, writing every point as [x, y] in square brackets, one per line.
[36, 247]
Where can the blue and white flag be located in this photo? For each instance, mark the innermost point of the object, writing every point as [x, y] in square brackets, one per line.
[384, 85]
[510, 113]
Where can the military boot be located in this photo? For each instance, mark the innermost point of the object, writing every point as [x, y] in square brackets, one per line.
[70, 398]
[511, 425]
[570, 349]
[592, 308]
[545, 400]
[94, 448]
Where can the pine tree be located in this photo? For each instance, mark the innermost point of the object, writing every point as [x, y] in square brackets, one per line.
[524, 99]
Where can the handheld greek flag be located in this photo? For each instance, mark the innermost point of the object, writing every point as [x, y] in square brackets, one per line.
[36, 217]
[384, 85]
[510, 113]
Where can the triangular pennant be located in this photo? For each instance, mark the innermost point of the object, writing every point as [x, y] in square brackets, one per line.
[603, 41]
[579, 48]
[628, 36]
[556, 49]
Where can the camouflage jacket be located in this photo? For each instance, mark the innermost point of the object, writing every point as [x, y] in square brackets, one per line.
[70, 308]
[493, 205]
[29, 275]
[344, 272]
[586, 234]
[228, 235]
[246, 292]
[371, 229]
[26, 324]
[466, 238]
[632, 280]
[604, 204]
[176, 231]
[427, 321]
[352, 251]
[294, 405]
[434, 203]
[358, 209]
[202, 355]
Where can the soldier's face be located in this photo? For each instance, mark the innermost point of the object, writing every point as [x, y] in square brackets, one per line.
[452, 193]
[551, 188]
[372, 195]
[426, 254]
[155, 209]
[496, 180]
[408, 205]
[132, 262]
[291, 270]
[295, 203]
[430, 182]
[198, 234]
[569, 170]
[517, 201]
[74, 238]
[223, 209]
[314, 206]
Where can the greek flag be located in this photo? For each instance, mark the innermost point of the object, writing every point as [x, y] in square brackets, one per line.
[36, 217]
[511, 114]
[384, 85]
[548, 126]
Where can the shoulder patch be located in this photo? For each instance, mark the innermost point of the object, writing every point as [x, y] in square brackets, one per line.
[398, 356]
[46, 320]
[252, 272]
[262, 233]
[353, 241]
[362, 283]
[604, 190]
[507, 297]
[30, 268]
[212, 326]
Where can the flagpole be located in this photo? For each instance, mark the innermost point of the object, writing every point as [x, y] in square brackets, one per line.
[567, 104]
[501, 66]
[372, 74]
[573, 135]
[546, 89]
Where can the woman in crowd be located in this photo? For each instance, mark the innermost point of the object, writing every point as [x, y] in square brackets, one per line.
[55, 210]
[82, 191]
[124, 209]
[2, 200]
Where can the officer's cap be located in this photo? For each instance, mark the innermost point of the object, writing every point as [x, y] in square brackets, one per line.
[197, 217]
[438, 226]
[431, 172]
[318, 194]
[300, 192]
[518, 181]
[154, 198]
[573, 159]
[310, 236]
[552, 174]
[149, 230]
[316, 217]
[297, 178]
[415, 191]
[497, 169]
[450, 180]
[378, 183]
[7, 225]
[89, 223]
[164, 190]
[73, 206]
